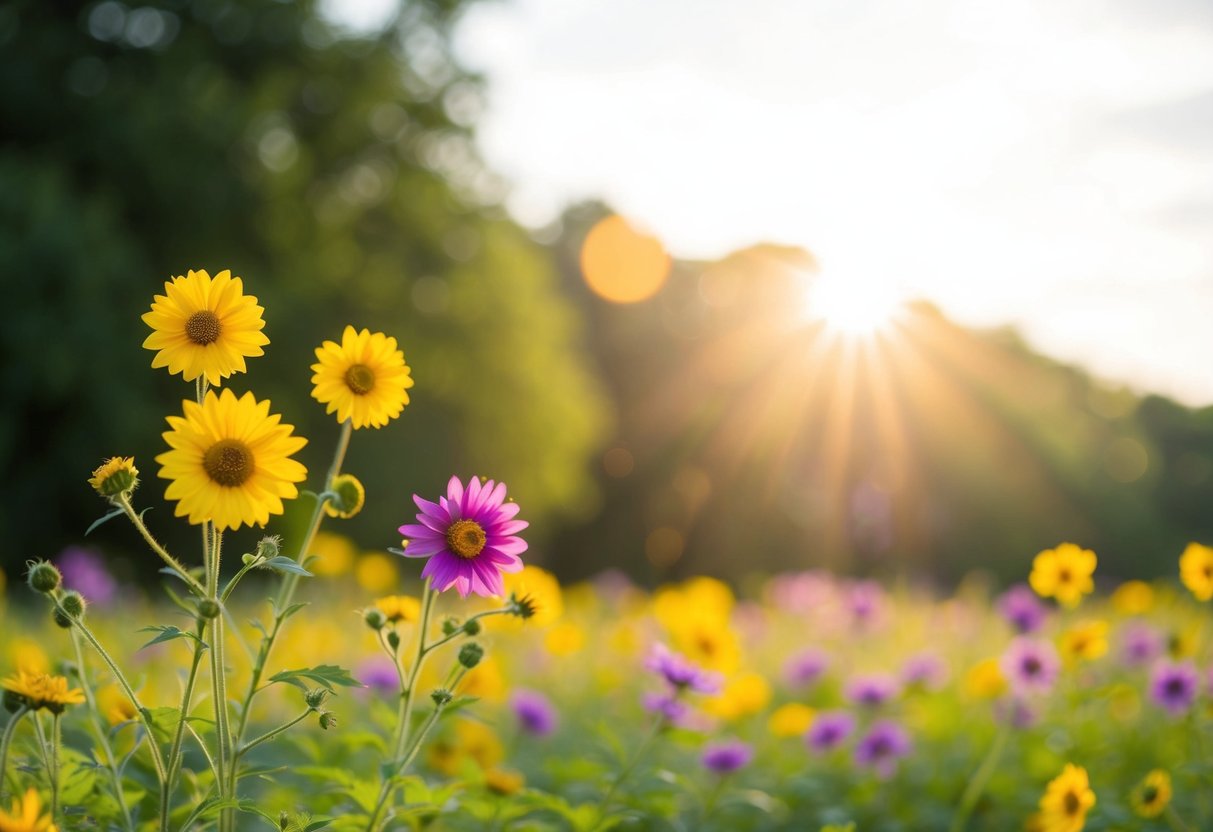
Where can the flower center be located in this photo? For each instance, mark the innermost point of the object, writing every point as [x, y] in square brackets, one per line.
[228, 462]
[465, 538]
[1031, 665]
[1064, 576]
[203, 328]
[1071, 803]
[1149, 794]
[360, 378]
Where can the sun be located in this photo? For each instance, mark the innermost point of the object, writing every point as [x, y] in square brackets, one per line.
[852, 308]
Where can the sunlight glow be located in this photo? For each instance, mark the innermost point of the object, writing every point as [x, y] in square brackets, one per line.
[851, 308]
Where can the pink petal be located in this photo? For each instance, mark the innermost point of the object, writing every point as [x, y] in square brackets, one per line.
[508, 545]
[424, 532]
[423, 548]
[452, 508]
[507, 527]
[432, 509]
[504, 562]
[454, 490]
[470, 496]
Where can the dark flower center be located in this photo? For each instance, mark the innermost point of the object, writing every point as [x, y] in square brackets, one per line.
[228, 462]
[465, 538]
[1031, 665]
[203, 328]
[1149, 794]
[1064, 576]
[1071, 803]
[1175, 686]
[360, 379]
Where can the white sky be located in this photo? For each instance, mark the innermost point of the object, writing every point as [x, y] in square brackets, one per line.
[1047, 164]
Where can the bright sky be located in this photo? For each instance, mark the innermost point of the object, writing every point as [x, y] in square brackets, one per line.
[1047, 164]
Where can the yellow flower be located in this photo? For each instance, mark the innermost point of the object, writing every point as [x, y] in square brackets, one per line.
[1184, 644]
[1152, 795]
[230, 461]
[117, 475]
[1085, 641]
[332, 554]
[26, 654]
[1196, 570]
[25, 816]
[114, 705]
[376, 572]
[564, 639]
[791, 720]
[485, 681]
[1066, 801]
[364, 378]
[351, 497]
[503, 782]
[542, 588]
[985, 680]
[1063, 573]
[468, 742]
[706, 597]
[400, 608]
[41, 690]
[744, 694]
[1133, 598]
[205, 327]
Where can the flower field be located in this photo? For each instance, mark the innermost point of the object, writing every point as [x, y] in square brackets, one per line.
[449, 684]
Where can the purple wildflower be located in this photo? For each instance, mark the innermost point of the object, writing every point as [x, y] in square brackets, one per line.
[829, 730]
[872, 690]
[1022, 609]
[1173, 686]
[885, 743]
[84, 571]
[535, 712]
[806, 668]
[926, 671]
[680, 672]
[1030, 665]
[379, 675]
[468, 536]
[867, 604]
[667, 705]
[1141, 644]
[727, 756]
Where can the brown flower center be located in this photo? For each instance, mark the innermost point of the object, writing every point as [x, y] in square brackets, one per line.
[465, 538]
[1071, 803]
[228, 462]
[360, 378]
[203, 328]
[1064, 576]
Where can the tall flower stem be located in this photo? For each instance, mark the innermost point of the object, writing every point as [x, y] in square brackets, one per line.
[223, 757]
[99, 731]
[175, 751]
[48, 750]
[269, 735]
[977, 783]
[658, 724]
[5, 739]
[124, 503]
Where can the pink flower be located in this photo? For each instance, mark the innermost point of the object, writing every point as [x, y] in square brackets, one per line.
[468, 536]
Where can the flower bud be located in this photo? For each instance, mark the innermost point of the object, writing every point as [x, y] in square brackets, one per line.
[350, 497]
[284, 820]
[71, 606]
[209, 608]
[374, 618]
[115, 477]
[470, 654]
[328, 720]
[523, 607]
[450, 626]
[44, 576]
[441, 697]
[472, 627]
[269, 546]
[315, 698]
[393, 640]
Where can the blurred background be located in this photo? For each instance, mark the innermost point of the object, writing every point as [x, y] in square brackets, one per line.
[710, 295]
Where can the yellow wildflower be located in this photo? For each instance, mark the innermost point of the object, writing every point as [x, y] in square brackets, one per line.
[1063, 573]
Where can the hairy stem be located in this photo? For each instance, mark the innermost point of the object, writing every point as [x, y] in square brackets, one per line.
[269, 735]
[175, 751]
[5, 739]
[124, 503]
[101, 734]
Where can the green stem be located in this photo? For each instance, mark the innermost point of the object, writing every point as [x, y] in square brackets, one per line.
[977, 782]
[175, 751]
[174, 564]
[658, 724]
[7, 738]
[100, 732]
[49, 752]
[145, 715]
[1175, 821]
[224, 756]
[269, 735]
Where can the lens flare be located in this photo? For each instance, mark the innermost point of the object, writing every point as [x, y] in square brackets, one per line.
[852, 308]
[621, 264]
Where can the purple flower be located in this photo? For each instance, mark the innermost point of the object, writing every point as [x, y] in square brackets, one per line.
[468, 536]
[680, 672]
[379, 675]
[885, 743]
[829, 730]
[1173, 686]
[1022, 609]
[872, 690]
[806, 667]
[1141, 644]
[668, 705]
[727, 756]
[84, 571]
[1030, 665]
[867, 603]
[924, 670]
[535, 712]
[1016, 712]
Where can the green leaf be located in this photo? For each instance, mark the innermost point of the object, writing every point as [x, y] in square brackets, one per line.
[168, 633]
[326, 675]
[282, 563]
[104, 519]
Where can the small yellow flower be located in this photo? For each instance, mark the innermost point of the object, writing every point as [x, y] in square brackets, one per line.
[26, 815]
[350, 499]
[28, 655]
[376, 572]
[485, 681]
[1085, 641]
[230, 461]
[468, 741]
[205, 327]
[41, 690]
[1133, 598]
[1152, 794]
[1063, 573]
[400, 608]
[984, 680]
[332, 554]
[363, 379]
[503, 782]
[542, 589]
[564, 639]
[114, 705]
[1196, 570]
[117, 475]
[744, 694]
[791, 720]
[1066, 801]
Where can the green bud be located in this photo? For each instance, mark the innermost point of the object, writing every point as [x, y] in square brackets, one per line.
[374, 618]
[209, 608]
[470, 654]
[269, 546]
[248, 558]
[315, 697]
[44, 577]
[450, 626]
[393, 640]
[60, 618]
[327, 721]
[441, 697]
[472, 628]
[523, 607]
[284, 819]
